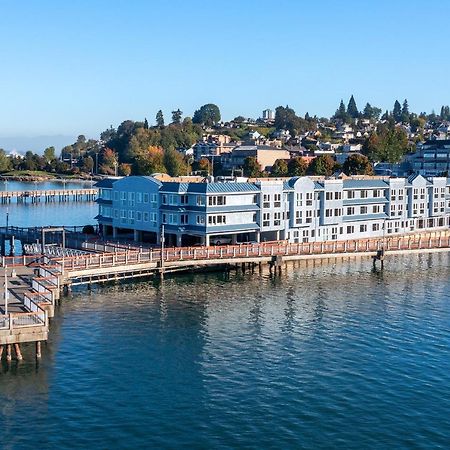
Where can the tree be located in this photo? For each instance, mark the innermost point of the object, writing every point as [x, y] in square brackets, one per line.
[175, 163]
[146, 124]
[297, 167]
[149, 162]
[252, 168]
[279, 168]
[5, 161]
[397, 111]
[341, 112]
[371, 112]
[125, 169]
[322, 165]
[88, 164]
[176, 116]
[160, 119]
[108, 161]
[352, 109]
[208, 115]
[357, 165]
[49, 154]
[203, 165]
[388, 144]
[405, 112]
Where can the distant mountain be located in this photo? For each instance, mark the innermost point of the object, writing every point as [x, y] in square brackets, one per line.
[36, 144]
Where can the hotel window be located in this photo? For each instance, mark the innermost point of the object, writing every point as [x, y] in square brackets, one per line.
[173, 200]
[363, 210]
[350, 211]
[309, 198]
[299, 199]
[350, 229]
[123, 198]
[184, 219]
[422, 193]
[376, 193]
[350, 194]
[216, 220]
[266, 219]
[146, 217]
[337, 195]
[337, 212]
[392, 209]
[376, 209]
[277, 219]
[266, 201]
[217, 200]
[139, 197]
[173, 220]
[308, 216]
[184, 199]
[277, 200]
[131, 198]
[422, 208]
[255, 199]
[164, 218]
[200, 220]
[415, 193]
[401, 193]
[363, 228]
[328, 213]
[145, 198]
[116, 213]
[363, 194]
[393, 194]
[329, 196]
[200, 200]
[116, 196]
[138, 216]
[436, 192]
[131, 214]
[375, 227]
[164, 199]
[298, 217]
[442, 191]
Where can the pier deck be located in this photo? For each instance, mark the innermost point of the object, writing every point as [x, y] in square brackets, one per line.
[53, 195]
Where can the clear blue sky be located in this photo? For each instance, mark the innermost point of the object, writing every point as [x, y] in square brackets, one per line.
[72, 67]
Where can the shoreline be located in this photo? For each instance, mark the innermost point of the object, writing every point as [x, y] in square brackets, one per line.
[43, 179]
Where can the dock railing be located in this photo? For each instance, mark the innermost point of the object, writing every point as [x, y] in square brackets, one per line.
[265, 249]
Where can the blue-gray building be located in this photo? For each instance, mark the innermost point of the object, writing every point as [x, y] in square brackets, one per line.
[300, 209]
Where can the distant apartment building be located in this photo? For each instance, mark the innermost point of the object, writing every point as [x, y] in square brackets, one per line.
[432, 158]
[300, 209]
[268, 115]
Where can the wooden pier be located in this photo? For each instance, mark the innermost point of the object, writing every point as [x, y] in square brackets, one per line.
[47, 196]
[43, 278]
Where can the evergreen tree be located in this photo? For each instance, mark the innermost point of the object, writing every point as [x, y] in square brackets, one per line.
[357, 165]
[297, 167]
[146, 123]
[176, 116]
[160, 119]
[405, 111]
[397, 112]
[341, 112]
[352, 109]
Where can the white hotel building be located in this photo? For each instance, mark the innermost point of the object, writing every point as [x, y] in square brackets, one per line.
[301, 209]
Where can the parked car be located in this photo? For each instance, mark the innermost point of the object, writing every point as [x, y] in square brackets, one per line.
[220, 240]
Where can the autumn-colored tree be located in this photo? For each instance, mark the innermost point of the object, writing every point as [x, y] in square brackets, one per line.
[149, 162]
[108, 163]
[125, 169]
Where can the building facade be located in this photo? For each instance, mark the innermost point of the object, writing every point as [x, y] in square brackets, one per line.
[300, 209]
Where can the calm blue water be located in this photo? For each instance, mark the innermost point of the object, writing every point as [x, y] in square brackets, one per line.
[329, 355]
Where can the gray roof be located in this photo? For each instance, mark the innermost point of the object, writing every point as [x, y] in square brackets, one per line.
[106, 183]
[209, 188]
[364, 184]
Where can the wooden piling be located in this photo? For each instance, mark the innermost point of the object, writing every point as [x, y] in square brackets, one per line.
[18, 352]
[8, 352]
[38, 349]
